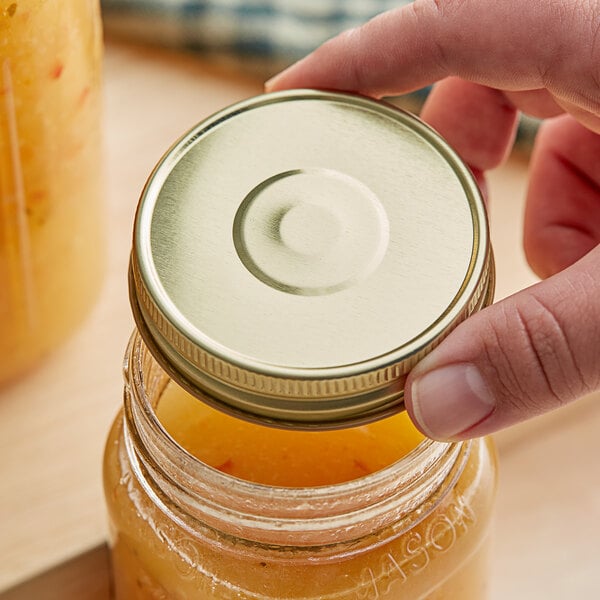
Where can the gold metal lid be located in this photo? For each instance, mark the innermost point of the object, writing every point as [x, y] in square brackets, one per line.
[296, 254]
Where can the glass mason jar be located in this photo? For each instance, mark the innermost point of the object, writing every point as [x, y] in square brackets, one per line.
[294, 256]
[417, 529]
[50, 175]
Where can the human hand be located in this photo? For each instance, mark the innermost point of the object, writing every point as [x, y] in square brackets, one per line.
[535, 350]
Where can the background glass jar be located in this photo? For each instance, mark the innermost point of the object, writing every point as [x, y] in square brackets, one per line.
[50, 174]
[417, 529]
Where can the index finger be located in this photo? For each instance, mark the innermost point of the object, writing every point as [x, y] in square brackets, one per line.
[512, 45]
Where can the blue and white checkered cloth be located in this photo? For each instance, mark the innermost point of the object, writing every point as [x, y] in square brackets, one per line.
[261, 36]
[267, 33]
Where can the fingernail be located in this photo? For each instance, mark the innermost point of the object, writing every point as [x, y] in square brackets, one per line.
[450, 400]
[270, 83]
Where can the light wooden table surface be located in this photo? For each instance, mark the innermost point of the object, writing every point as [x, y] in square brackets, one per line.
[53, 424]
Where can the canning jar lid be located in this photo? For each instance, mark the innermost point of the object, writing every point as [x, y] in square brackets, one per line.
[296, 254]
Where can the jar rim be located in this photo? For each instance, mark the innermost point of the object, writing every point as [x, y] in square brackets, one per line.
[265, 514]
[375, 477]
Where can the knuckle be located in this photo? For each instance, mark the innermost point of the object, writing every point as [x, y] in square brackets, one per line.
[429, 11]
[506, 375]
[441, 7]
[440, 18]
[550, 352]
[355, 60]
[533, 357]
[578, 313]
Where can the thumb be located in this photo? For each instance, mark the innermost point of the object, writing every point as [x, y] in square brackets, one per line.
[523, 356]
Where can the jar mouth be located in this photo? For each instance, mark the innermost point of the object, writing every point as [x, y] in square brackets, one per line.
[207, 500]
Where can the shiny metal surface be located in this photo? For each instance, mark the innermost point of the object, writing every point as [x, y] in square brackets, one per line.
[296, 254]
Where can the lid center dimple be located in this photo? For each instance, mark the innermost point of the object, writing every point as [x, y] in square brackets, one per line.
[309, 229]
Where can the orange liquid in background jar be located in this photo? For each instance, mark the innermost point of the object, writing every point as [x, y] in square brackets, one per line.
[441, 557]
[51, 255]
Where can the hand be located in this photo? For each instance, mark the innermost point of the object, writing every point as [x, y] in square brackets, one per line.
[538, 349]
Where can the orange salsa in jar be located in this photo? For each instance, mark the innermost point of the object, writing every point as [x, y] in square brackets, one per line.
[51, 220]
[203, 505]
[294, 257]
